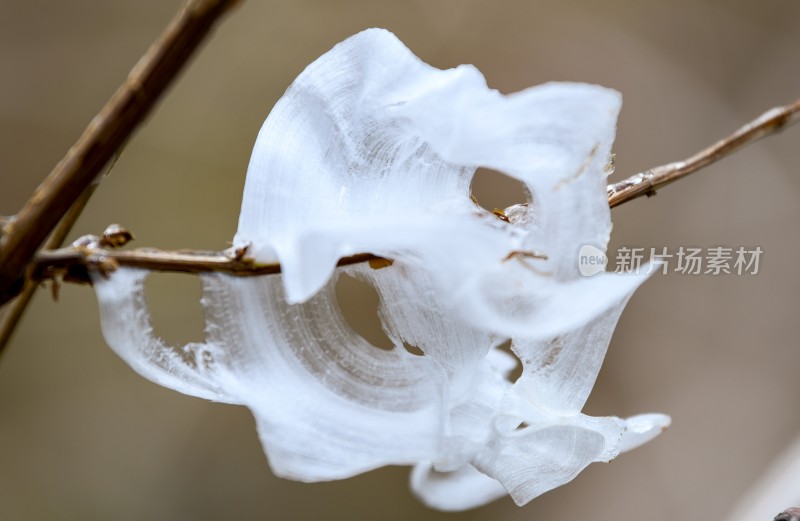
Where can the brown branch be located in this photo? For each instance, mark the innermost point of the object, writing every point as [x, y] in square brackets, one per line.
[109, 129]
[74, 262]
[17, 308]
[646, 183]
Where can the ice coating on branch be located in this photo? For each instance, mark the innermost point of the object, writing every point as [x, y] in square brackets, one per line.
[371, 150]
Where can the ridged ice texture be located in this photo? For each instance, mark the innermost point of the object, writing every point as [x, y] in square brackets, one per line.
[371, 150]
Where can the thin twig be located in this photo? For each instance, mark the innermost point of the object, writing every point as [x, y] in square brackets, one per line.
[17, 308]
[646, 183]
[109, 129]
[73, 263]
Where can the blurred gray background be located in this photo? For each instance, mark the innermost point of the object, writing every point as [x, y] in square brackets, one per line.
[83, 437]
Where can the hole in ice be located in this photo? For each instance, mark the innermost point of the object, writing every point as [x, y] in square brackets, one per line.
[175, 309]
[358, 302]
[493, 190]
[514, 373]
[414, 350]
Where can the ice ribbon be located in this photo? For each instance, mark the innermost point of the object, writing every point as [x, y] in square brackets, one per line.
[372, 150]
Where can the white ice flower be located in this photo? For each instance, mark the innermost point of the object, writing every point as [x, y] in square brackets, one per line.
[372, 150]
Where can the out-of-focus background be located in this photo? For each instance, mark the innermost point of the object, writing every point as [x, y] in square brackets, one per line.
[83, 437]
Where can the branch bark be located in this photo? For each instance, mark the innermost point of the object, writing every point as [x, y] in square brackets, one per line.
[9, 322]
[646, 183]
[109, 129]
[74, 263]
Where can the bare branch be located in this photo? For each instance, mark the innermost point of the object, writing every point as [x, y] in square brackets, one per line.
[646, 183]
[73, 263]
[17, 308]
[109, 129]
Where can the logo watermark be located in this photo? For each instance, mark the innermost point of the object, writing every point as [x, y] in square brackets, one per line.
[686, 260]
[591, 260]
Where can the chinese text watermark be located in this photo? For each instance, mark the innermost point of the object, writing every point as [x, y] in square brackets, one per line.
[717, 260]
